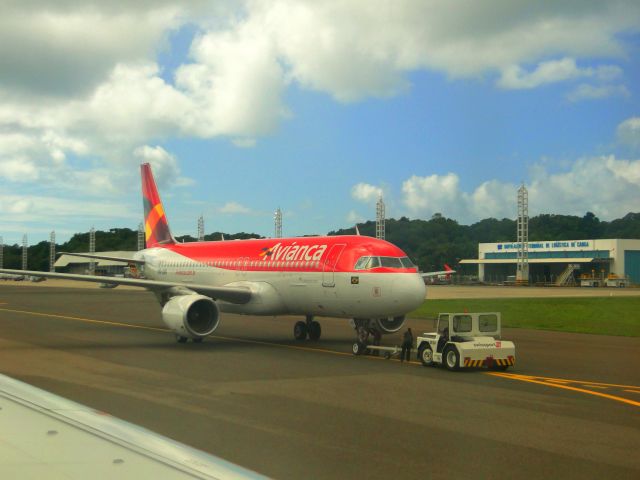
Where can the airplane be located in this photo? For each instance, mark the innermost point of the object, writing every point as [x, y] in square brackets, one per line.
[367, 280]
[438, 276]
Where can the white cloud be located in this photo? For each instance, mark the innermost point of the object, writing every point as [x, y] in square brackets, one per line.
[18, 169]
[567, 192]
[515, 77]
[164, 165]
[364, 192]
[234, 208]
[592, 92]
[628, 132]
[435, 193]
[354, 218]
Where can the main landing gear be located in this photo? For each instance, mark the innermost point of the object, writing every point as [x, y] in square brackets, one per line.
[181, 339]
[309, 327]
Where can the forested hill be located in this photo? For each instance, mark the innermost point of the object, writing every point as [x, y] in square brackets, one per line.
[430, 243]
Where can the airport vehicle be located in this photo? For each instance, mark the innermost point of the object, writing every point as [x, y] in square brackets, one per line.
[464, 340]
[365, 279]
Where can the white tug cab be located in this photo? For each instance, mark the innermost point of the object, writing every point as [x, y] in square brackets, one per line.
[464, 340]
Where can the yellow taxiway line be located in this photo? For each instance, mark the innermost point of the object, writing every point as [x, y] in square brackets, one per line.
[550, 383]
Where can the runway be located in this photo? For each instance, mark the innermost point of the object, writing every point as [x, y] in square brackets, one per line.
[252, 395]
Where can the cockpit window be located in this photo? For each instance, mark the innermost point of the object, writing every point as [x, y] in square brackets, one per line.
[391, 262]
[373, 262]
[360, 264]
[366, 263]
[407, 263]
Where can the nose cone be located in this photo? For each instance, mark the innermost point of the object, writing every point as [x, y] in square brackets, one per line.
[409, 291]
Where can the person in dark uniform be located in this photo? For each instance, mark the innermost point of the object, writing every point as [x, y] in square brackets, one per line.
[407, 344]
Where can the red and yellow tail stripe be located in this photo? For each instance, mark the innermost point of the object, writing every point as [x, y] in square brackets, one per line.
[156, 225]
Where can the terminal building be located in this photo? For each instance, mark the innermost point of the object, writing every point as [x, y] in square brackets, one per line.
[612, 262]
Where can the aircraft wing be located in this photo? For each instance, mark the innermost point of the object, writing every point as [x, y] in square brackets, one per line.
[104, 257]
[235, 294]
[437, 274]
[46, 436]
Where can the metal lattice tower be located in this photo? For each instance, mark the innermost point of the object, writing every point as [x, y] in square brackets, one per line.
[522, 269]
[1, 253]
[278, 223]
[140, 236]
[92, 249]
[24, 252]
[380, 214]
[52, 252]
[201, 229]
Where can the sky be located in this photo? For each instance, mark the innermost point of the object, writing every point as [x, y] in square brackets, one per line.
[315, 107]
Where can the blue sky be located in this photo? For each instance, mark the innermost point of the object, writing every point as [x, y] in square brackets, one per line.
[317, 108]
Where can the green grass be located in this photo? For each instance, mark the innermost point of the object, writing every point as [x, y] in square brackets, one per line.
[597, 315]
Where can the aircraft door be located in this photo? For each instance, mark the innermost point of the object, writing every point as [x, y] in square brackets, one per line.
[329, 265]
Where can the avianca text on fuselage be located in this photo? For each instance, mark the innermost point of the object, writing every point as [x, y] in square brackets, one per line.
[294, 253]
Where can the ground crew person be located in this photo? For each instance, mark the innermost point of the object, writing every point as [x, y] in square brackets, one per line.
[407, 344]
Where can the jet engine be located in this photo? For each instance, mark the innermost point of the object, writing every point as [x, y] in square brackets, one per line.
[191, 316]
[390, 324]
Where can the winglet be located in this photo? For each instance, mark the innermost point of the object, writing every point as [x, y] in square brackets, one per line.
[156, 224]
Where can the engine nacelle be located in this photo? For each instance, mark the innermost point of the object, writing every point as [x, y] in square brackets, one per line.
[191, 316]
[390, 324]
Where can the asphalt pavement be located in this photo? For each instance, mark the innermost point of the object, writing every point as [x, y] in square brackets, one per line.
[252, 395]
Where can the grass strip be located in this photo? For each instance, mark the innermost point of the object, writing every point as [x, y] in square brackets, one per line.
[596, 315]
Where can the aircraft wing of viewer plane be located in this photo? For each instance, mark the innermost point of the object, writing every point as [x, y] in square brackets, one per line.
[85, 443]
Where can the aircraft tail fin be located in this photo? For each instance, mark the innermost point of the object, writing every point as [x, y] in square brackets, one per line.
[448, 268]
[156, 226]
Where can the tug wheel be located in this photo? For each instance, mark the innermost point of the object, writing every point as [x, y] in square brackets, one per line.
[451, 358]
[359, 348]
[425, 354]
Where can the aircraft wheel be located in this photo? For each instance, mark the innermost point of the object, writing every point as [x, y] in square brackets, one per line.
[451, 358]
[359, 348]
[181, 339]
[315, 330]
[425, 354]
[300, 331]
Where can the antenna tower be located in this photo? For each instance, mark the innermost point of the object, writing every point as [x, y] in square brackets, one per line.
[24, 252]
[380, 213]
[92, 249]
[278, 223]
[522, 269]
[201, 228]
[140, 236]
[52, 252]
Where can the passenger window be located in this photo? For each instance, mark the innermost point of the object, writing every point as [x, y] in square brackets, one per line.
[488, 323]
[462, 323]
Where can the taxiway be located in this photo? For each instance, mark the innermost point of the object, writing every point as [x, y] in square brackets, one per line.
[252, 395]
